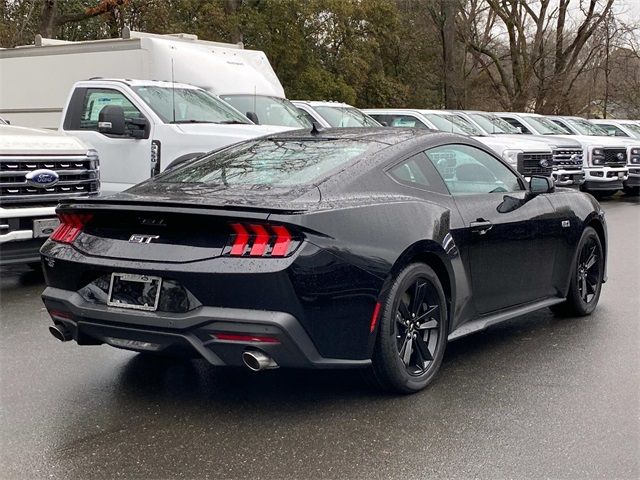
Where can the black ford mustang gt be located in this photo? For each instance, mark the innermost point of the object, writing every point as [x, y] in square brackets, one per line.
[343, 248]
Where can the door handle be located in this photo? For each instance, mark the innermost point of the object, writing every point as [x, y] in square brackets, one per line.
[481, 226]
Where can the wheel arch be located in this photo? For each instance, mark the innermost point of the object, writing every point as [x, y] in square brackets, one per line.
[432, 254]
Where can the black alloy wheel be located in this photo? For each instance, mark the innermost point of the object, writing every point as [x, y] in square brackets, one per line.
[586, 281]
[418, 326]
[412, 332]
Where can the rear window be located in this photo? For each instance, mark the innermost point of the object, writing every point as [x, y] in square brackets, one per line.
[271, 162]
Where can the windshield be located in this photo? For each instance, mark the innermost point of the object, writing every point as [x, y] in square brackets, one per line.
[452, 123]
[545, 126]
[270, 162]
[268, 110]
[634, 128]
[585, 127]
[345, 117]
[493, 124]
[189, 104]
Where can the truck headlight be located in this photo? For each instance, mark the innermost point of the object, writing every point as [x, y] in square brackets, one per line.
[597, 156]
[635, 155]
[511, 156]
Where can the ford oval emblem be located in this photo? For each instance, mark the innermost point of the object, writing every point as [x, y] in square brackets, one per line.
[620, 156]
[42, 178]
[545, 163]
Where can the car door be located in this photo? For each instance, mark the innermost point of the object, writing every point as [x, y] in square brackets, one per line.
[124, 160]
[509, 256]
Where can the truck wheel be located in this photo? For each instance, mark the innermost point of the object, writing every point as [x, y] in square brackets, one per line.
[632, 191]
[603, 193]
[412, 332]
[586, 278]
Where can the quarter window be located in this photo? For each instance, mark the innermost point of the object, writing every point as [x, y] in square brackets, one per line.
[418, 172]
[467, 170]
[391, 120]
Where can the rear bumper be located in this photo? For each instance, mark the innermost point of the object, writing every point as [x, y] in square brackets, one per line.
[192, 333]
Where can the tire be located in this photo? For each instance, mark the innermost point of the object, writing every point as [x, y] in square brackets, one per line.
[632, 191]
[603, 193]
[586, 278]
[400, 362]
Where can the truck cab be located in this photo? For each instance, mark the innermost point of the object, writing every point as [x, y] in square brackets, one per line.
[604, 159]
[140, 126]
[567, 154]
[529, 157]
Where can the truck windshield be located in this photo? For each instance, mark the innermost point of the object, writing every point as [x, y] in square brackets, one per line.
[493, 124]
[189, 104]
[268, 110]
[452, 123]
[271, 162]
[546, 126]
[345, 116]
[585, 127]
[634, 128]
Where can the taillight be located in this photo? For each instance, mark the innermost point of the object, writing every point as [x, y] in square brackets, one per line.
[256, 240]
[71, 225]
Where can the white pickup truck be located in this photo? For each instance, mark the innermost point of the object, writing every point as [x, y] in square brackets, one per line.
[37, 169]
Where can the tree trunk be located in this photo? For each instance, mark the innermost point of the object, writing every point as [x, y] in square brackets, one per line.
[48, 18]
[451, 71]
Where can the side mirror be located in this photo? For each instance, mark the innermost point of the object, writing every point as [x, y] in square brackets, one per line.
[541, 184]
[111, 120]
[140, 127]
[253, 117]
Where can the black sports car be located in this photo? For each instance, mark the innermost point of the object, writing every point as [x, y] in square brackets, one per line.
[341, 248]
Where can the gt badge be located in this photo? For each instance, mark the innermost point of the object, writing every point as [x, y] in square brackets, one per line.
[135, 238]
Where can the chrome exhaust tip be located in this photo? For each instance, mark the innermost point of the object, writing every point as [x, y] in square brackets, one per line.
[256, 360]
[60, 332]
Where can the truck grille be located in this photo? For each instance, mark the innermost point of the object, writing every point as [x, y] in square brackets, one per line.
[568, 158]
[77, 175]
[612, 156]
[535, 164]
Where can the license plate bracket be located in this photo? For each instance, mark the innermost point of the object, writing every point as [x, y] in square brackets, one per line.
[134, 291]
[44, 227]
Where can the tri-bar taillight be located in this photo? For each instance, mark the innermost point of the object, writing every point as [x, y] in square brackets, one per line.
[71, 225]
[260, 240]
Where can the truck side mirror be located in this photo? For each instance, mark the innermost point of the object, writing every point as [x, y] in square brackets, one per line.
[111, 120]
[140, 127]
[253, 117]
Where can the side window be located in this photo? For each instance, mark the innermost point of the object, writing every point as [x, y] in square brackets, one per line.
[467, 170]
[418, 172]
[612, 130]
[515, 123]
[95, 99]
[397, 120]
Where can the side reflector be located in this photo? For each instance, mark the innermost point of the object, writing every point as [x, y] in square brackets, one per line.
[244, 338]
[374, 318]
[241, 240]
[59, 314]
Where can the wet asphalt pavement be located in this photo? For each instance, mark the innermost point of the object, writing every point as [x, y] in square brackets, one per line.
[535, 397]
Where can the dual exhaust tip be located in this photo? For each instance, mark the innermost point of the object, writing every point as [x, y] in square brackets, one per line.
[59, 331]
[254, 360]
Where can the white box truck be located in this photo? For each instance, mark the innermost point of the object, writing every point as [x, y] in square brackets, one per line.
[139, 77]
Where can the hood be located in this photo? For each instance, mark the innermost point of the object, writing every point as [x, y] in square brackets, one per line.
[602, 141]
[239, 131]
[552, 141]
[499, 144]
[30, 141]
[256, 198]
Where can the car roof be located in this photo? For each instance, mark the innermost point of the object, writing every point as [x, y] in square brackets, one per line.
[323, 103]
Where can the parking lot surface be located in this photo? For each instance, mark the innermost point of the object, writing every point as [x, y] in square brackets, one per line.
[535, 397]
